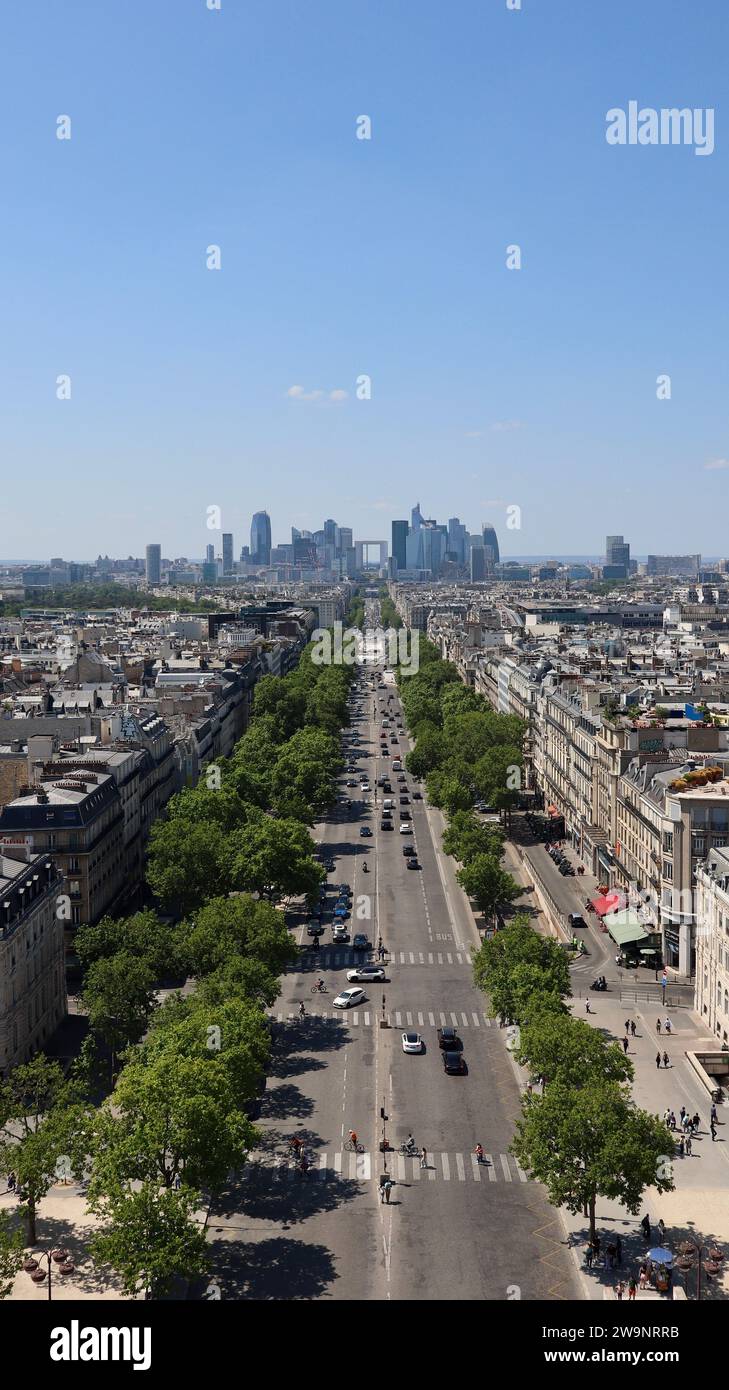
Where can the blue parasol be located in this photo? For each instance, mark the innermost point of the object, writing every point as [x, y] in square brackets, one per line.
[660, 1256]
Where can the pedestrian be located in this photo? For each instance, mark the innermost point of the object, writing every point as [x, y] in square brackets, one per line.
[682, 1112]
[688, 1144]
[11, 1182]
[712, 1127]
[625, 1045]
[588, 1010]
[667, 1117]
[632, 1027]
[631, 1287]
[681, 1145]
[596, 1246]
[618, 1250]
[619, 1289]
[658, 1059]
[658, 1026]
[696, 1123]
[388, 1190]
[627, 1025]
[714, 1114]
[424, 1158]
[667, 1025]
[662, 1231]
[611, 1255]
[645, 1226]
[588, 1255]
[665, 1059]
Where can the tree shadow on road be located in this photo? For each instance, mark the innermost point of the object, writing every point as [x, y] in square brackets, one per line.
[280, 1268]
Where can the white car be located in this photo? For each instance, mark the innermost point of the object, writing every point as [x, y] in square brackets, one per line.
[406, 829]
[412, 1042]
[348, 997]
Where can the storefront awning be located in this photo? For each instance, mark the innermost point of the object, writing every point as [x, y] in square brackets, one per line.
[610, 903]
[625, 928]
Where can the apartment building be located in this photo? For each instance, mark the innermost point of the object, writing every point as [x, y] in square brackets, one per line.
[32, 975]
[711, 998]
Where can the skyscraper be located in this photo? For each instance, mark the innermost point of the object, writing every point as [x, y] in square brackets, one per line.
[398, 545]
[210, 554]
[478, 563]
[416, 518]
[346, 539]
[330, 532]
[617, 552]
[261, 538]
[227, 552]
[153, 564]
[491, 545]
[457, 539]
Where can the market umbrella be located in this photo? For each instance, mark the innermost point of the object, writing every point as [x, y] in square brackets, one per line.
[661, 1256]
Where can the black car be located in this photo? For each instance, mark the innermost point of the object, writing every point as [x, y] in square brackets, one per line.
[412, 864]
[315, 929]
[448, 1039]
[360, 942]
[417, 796]
[385, 825]
[575, 920]
[453, 1063]
[408, 850]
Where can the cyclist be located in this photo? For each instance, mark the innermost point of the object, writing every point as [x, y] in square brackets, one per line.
[479, 1153]
[353, 1137]
[296, 1144]
[320, 986]
[302, 1010]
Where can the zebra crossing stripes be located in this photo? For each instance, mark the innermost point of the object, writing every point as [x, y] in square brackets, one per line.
[328, 959]
[344, 1166]
[367, 1019]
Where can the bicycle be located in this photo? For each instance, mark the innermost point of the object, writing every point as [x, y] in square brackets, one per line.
[319, 989]
[351, 1147]
[410, 1151]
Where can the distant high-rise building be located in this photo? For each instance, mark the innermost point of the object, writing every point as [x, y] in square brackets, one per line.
[345, 539]
[330, 532]
[209, 570]
[261, 538]
[153, 564]
[617, 553]
[457, 540]
[491, 544]
[679, 565]
[227, 552]
[399, 543]
[478, 563]
[416, 518]
[210, 554]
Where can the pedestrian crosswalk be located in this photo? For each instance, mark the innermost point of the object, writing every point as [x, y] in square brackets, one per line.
[401, 1018]
[364, 1167]
[331, 959]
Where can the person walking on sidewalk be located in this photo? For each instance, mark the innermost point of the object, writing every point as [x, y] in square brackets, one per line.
[625, 1045]
[662, 1231]
[645, 1226]
[658, 1060]
[588, 1255]
[627, 1025]
[424, 1158]
[588, 1010]
[688, 1144]
[631, 1287]
[714, 1115]
[632, 1027]
[658, 1027]
[665, 1059]
[712, 1128]
[696, 1123]
[681, 1145]
[683, 1112]
[667, 1026]
[619, 1290]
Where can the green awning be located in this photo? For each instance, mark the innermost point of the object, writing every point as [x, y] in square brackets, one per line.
[625, 927]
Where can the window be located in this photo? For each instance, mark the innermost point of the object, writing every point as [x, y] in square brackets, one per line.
[668, 841]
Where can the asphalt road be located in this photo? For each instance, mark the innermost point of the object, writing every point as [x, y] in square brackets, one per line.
[454, 1229]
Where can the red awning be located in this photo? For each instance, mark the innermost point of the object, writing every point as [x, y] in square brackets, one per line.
[613, 902]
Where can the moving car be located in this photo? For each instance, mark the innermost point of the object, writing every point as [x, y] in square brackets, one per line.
[367, 972]
[448, 1039]
[413, 864]
[406, 829]
[408, 849]
[315, 929]
[385, 824]
[348, 997]
[365, 830]
[417, 796]
[360, 942]
[453, 1062]
[405, 800]
[575, 920]
[351, 781]
[412, 1042]
[340, 932]
[405, 815]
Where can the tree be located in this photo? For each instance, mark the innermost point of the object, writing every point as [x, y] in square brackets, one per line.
[142, 935]
[170, 1116]
[42, 1125]
[305, 772]
[275, 857]
[226, 929]
[118, 996]
[428, 752]
[283, 701]
[11, 1254]
[484, 881]
[150, 1237]
[568, 1052]
[522, 972]
[448, 791]
[189, 864]
[592, 1142]
[221, 806]
[465, 837]
[233, 1032]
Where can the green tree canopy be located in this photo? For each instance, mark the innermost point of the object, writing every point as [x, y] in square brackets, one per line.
[240, 926]
[466, 837]
[142, 935]
[275, 857]
[186, 865]
[150, 1237]
[488, 884]
[42, 1131]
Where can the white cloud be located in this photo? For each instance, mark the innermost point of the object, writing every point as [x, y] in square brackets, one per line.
[338, 394]
[473, 434]
[500, 426]
[717, 463]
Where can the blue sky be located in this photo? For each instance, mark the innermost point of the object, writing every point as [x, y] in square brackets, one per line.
[343, 257]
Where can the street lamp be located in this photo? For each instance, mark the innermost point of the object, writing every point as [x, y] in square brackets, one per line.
[691, 1256]
[58, 1255]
